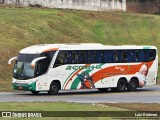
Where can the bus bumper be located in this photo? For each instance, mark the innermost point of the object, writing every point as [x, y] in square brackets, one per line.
[24, 86]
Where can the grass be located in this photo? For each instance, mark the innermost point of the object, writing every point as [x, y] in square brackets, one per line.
[135, 106]
[57, 106]
[54, 106]
[22, 27]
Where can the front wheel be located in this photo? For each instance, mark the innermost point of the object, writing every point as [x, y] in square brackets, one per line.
[35, 92]
[54, 88]
[121, 85]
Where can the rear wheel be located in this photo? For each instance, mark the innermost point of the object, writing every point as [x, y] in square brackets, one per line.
[121, 85]
[132, 85]
[35, 92]
[54, 88]
[103, 89]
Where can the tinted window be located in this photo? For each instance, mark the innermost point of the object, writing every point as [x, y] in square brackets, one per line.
[95, 56]
[48, 54]
[74, 57]
[150, 55]
[104, 56]
[130, 56]
[108, 56]
[100, 57]
[62, 58]
[82, 56]
[123, 56]
[42, 66]
[115, 56]
[92, 56]
[27, 57]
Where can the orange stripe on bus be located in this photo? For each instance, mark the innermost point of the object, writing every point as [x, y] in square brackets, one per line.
[111, 71]
[51, 49]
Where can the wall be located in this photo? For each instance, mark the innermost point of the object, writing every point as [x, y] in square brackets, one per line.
[142, 6]
[96, 5]
[1, 1]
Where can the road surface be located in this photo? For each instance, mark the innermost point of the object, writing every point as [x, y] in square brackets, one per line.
[144, 95]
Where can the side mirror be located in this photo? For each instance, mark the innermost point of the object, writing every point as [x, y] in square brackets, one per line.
[35, 60]
[10, 61]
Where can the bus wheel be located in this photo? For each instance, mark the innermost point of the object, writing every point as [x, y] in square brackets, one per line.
[35, 92]
[103, 89]
[54, 88]
[121, 85]
[132, 85]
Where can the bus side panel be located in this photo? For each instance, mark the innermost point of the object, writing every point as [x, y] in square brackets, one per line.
[107, 75]
[152, 74]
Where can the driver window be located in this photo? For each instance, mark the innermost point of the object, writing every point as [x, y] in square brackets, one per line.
[42, 66]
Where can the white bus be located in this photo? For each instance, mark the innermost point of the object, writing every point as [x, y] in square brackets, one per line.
[54, 67]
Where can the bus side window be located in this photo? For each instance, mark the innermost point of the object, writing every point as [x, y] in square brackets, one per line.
[107, 56]
[62, 58]
[115, 56]
[100, 55]
[92, 56]
[150, 55]
[130, 56]
[136, 56]
[82, 55]
[123, 56]
[42, 66]
[141, 56]
[95, 57]
[74, 57]
[89, 57]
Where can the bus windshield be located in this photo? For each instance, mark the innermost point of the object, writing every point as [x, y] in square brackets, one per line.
[22, 68]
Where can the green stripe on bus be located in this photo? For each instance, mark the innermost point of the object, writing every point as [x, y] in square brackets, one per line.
[70, 76]
[67, 78]
[77, 81]
[146, 47]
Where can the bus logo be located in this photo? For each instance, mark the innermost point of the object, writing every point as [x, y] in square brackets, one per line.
[92, 67]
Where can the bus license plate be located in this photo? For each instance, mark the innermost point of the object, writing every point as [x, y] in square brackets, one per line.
[20, 87]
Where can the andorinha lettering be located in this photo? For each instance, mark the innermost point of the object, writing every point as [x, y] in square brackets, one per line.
[92, 67]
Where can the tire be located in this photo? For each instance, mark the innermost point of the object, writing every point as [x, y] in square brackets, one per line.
[132, 85]
[35, 92]
[54, 88]
[121, 85]
[103, 90]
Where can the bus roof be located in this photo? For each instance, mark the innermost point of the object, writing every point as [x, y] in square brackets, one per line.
[36, 49]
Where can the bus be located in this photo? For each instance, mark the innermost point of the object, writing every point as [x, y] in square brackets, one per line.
[54, 67]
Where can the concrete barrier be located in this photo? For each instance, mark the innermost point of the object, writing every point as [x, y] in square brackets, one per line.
[95, 5]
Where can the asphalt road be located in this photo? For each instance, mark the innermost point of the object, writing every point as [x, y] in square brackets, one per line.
[144, 95]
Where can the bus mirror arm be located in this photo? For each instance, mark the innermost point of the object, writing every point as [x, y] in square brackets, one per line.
[35, 60]
[10, 61]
